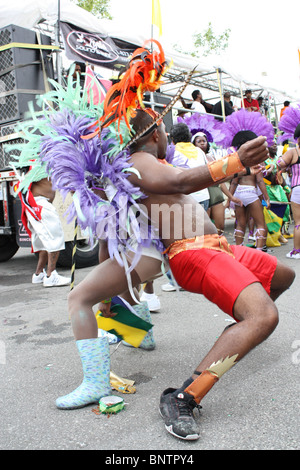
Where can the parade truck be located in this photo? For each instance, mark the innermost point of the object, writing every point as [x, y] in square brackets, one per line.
[13, 234]
[26, 63]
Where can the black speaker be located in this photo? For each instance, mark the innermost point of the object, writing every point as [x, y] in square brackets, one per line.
[159, 98]
[21, 71]
[9, 136]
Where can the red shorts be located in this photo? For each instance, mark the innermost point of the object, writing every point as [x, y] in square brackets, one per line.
[221, 277]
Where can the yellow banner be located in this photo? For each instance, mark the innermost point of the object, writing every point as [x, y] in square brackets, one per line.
[156, 15]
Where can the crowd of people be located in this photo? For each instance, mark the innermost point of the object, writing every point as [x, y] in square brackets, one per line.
[282, 187]
[183, 174]
[225, 106]
[247, 196]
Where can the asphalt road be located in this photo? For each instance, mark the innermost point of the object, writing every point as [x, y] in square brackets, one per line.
[255, 406]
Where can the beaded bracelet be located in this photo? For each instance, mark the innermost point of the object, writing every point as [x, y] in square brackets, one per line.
[106, 301]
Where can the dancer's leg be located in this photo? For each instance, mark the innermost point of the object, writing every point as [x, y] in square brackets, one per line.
[106, 280]
[257, 317]
[256, 212]
[241, 221]
[296, 216]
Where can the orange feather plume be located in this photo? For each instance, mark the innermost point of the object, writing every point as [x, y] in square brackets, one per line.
[144, 74]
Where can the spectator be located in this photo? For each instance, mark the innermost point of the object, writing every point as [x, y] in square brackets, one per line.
[228, 109]
[262, 108]
[181, 112]
[43, 225]
[249, 103]
[285, 105]
[78, 70]
[197, 104]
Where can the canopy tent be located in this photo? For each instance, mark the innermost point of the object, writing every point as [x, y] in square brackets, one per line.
[31, 13]
[46, 14]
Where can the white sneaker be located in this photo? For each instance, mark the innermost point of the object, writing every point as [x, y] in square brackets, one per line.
[56, 280]
[152, 301]
[295, 254]
[168, 287]
[38, 278]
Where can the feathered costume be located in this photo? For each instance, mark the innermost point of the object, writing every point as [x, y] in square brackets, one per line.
[144, 74]
[205, 123]
[243, 121]
[83, 153]
[288, 124]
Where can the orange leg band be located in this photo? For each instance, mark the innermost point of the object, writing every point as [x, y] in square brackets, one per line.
[201, 385]
[226, 166]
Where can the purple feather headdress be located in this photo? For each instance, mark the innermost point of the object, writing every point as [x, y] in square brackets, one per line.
[288, 123]
[243, 120]
[205, 123]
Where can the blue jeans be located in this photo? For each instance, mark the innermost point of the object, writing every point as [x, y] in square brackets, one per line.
[205, 204]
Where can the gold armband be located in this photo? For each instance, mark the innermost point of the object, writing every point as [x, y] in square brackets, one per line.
[226, 166]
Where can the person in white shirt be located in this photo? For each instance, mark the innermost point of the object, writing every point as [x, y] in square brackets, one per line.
[196, 105]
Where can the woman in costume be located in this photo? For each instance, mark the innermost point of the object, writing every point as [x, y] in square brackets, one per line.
[216, 210]
[277, 188]
[239, 128]
[290, 125]
[205, 130]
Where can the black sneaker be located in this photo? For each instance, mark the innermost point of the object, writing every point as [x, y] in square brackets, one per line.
[177, 412]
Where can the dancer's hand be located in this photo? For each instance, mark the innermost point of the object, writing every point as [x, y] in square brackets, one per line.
[236, 201]
[256, 169]
[104, 308]
[268, 203]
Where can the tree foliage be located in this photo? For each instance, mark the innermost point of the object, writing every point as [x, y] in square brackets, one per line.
[99, 8]
[208, 42]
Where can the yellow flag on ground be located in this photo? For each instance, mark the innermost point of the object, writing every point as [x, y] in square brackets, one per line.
[126, 325]
[156, 15]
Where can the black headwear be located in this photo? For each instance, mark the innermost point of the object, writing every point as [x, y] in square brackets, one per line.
[297, 132]
[241, 137]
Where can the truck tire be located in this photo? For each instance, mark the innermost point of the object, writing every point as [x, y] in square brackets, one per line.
[85, 256]
[8, 247]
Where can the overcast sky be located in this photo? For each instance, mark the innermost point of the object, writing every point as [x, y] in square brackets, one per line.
[264, 38]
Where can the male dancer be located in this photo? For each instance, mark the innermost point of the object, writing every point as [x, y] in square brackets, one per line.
[196, 263]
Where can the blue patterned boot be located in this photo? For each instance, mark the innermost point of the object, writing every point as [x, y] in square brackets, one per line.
[143, 312]
[95, 358]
